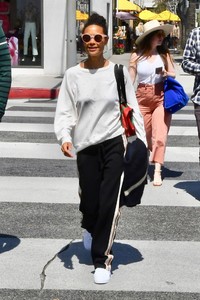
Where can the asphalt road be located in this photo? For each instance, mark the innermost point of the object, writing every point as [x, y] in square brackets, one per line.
[157, 244]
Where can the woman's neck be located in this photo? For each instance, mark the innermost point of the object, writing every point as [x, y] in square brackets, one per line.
[153, 52]
[95, 63]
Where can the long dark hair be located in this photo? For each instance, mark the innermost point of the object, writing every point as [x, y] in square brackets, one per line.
[143, 49]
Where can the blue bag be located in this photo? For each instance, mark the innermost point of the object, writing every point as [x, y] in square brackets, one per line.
[175, 97]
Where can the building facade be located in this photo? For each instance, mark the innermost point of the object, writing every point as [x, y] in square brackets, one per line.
[43, 34]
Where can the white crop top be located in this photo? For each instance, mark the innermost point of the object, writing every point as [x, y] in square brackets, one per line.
[146, 71]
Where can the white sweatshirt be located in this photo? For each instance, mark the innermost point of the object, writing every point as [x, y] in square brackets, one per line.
[88, 112]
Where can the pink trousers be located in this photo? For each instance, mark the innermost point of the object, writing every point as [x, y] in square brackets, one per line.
[156, 119]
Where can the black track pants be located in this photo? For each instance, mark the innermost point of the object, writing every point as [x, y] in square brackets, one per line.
[100, 168]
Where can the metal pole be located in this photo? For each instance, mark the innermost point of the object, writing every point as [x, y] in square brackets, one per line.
[71, 34]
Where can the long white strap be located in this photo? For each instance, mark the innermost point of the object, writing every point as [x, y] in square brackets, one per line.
[127, 192]
[3, 43]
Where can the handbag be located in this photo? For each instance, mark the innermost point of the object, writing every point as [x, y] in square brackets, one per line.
[175, 97]
[126, 111]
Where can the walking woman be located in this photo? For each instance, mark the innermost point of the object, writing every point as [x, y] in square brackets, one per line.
[88, 116]
[151, 63]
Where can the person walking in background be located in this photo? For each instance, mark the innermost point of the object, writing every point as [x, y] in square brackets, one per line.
[151, 63]
[5, 72]
[175, 36]
[139, 29]
[81, 47]
[191, 65]
[88, 117]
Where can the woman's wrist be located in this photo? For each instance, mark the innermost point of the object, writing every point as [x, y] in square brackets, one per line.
[168, 74]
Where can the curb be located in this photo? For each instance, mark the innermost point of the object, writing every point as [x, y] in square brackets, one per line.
[24, 93]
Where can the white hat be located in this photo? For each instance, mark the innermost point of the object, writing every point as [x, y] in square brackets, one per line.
[152, 26]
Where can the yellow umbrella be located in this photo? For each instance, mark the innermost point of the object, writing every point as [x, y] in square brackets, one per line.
[174, 17]
[127, 5]
[81, 16]
[167, 15]
[147, 15]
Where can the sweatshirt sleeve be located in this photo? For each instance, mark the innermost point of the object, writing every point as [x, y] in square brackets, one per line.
[5, 73]
[66, 114]
[132, 102]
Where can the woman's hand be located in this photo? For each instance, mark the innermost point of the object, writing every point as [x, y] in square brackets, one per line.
[165, 73]
[66, 149]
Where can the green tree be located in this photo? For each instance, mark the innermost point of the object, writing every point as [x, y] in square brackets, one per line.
[160, 5]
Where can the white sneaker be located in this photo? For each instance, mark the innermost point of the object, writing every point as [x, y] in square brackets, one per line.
[101, 276]
[87, 240]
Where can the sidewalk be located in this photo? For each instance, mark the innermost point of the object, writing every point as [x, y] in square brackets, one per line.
[44, 86]
[35, 86]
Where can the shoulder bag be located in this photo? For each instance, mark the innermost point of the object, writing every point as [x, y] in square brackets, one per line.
[126, 111]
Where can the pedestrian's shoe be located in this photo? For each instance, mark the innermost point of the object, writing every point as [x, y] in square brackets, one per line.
[87, 240]
[101, 276]
[157, 180]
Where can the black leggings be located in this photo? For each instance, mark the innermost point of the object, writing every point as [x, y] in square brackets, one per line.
[100, 168]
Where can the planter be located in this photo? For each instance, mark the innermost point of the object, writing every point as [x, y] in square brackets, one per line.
[118, 51]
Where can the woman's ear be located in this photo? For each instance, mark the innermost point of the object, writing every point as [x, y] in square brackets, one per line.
[106, 40]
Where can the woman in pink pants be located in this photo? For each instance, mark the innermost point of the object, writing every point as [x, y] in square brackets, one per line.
[151, 63]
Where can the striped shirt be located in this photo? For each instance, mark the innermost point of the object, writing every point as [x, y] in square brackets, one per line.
[191, 61]
[5, 72]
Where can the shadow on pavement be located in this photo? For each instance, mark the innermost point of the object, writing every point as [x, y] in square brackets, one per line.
[165, 172]
[191, 187]
[124, 255]
[8, 242]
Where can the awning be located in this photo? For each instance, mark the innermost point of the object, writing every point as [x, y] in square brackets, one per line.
[81, 15]
[127, 5]
[147, 15]
[124, 15]
[167, 15]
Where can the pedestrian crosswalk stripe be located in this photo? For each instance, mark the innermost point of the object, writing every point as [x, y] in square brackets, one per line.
[36, 114]
[164, 266]
[44, 114]
[183, 117]
[26, 127]
[52, 151]
[18, 104]
[180, 130]
[31, 150]
[182, 154]
[65, 190]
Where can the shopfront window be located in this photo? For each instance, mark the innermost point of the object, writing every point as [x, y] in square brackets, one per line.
[82, 14]
[21, 21]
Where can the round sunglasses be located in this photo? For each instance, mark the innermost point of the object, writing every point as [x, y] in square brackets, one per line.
[97, 37]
